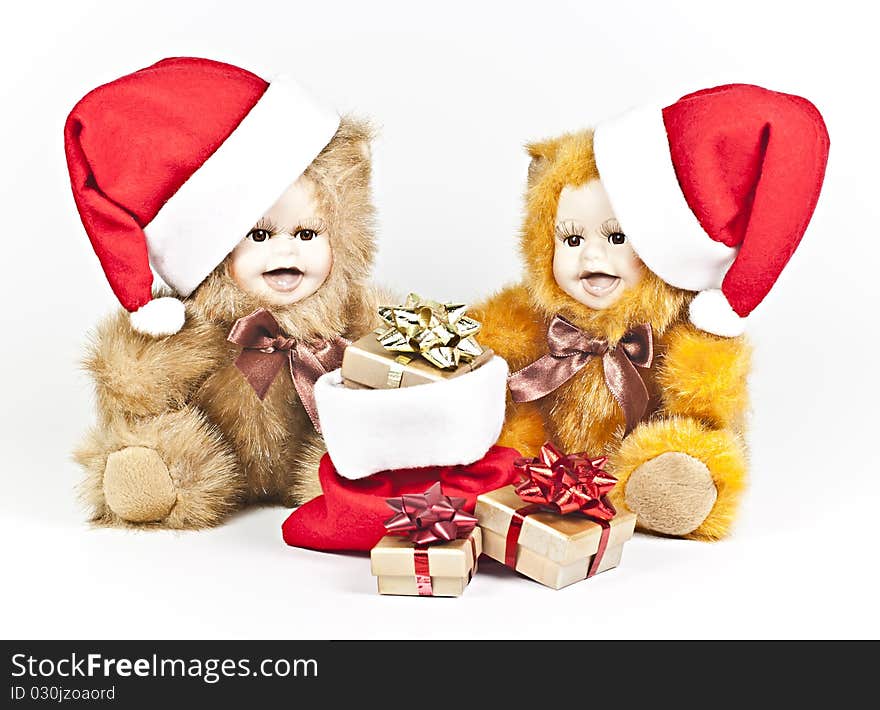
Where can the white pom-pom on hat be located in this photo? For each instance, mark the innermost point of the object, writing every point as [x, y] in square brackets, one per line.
[710, 311]
[159, 317]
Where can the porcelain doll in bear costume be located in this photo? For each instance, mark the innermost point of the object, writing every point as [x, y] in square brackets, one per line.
[251, 201]
[647, 242]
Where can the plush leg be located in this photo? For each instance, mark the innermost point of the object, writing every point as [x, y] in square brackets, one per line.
[680, 477]
[173, 471]
[137, 485]
[303, 484]
[523, 428]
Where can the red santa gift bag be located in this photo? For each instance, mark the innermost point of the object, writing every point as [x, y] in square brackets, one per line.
[350, 514]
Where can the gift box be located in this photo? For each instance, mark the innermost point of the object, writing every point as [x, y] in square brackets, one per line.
[372, 421]
[437, 555]
[556, 526]
[366, 364]
[423, 341]
[440, 570]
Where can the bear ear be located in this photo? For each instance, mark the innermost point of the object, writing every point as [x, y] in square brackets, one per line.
[357, 133]
[542, 155]
[347, 158]
[365, 149]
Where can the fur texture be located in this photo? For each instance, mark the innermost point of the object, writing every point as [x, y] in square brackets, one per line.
[182, 396]
[721, 450]
[697, 382]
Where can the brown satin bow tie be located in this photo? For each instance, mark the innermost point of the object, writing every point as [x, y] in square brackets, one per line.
[265, 348]
[570, 351]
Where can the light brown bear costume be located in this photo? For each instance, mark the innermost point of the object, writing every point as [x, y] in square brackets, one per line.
[683, 468]
[182, 440]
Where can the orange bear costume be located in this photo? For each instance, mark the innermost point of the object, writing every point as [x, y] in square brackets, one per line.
[713, 193]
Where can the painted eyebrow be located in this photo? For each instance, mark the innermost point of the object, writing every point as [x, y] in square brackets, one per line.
[611, 223]
[568, 225]
[265, 224]
[316, 224]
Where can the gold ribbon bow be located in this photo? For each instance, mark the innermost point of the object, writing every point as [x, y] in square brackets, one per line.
[570, 351]
[439, 332]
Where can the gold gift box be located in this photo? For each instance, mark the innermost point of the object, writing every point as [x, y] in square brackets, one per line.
[368, 365]
[451, 564]
[555, 550]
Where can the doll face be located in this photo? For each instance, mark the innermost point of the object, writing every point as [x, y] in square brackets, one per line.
[286, 256]
[592, 259]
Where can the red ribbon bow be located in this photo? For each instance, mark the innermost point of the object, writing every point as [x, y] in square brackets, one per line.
[429, 517]
[572, 483]
[565, 484]
[265, 349]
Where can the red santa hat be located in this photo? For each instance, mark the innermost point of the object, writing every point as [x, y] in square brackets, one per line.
[173, 164]
[715, 192]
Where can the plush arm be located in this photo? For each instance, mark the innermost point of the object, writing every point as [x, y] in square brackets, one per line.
[516, 332]
[704, 376]
[362, 309]
[511, 327]
[136, 375]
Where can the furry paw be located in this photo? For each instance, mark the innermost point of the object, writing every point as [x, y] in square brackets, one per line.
[688, 478]
[137, 485]
[672, 493]
[172, 471]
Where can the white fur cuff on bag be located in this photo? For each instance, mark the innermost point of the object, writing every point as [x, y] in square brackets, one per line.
[445, 423]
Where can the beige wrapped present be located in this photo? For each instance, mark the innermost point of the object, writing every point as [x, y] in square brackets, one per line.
[366, 364]
[395, 562]
[555, 550]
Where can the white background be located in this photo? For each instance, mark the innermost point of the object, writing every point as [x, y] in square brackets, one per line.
[456, 89]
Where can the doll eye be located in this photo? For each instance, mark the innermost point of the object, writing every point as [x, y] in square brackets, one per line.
[616, 238]
[259, 235]
[574, 240]
[305, 234]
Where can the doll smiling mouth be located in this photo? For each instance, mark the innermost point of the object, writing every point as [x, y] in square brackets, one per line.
[597, 283]
[283, 280]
